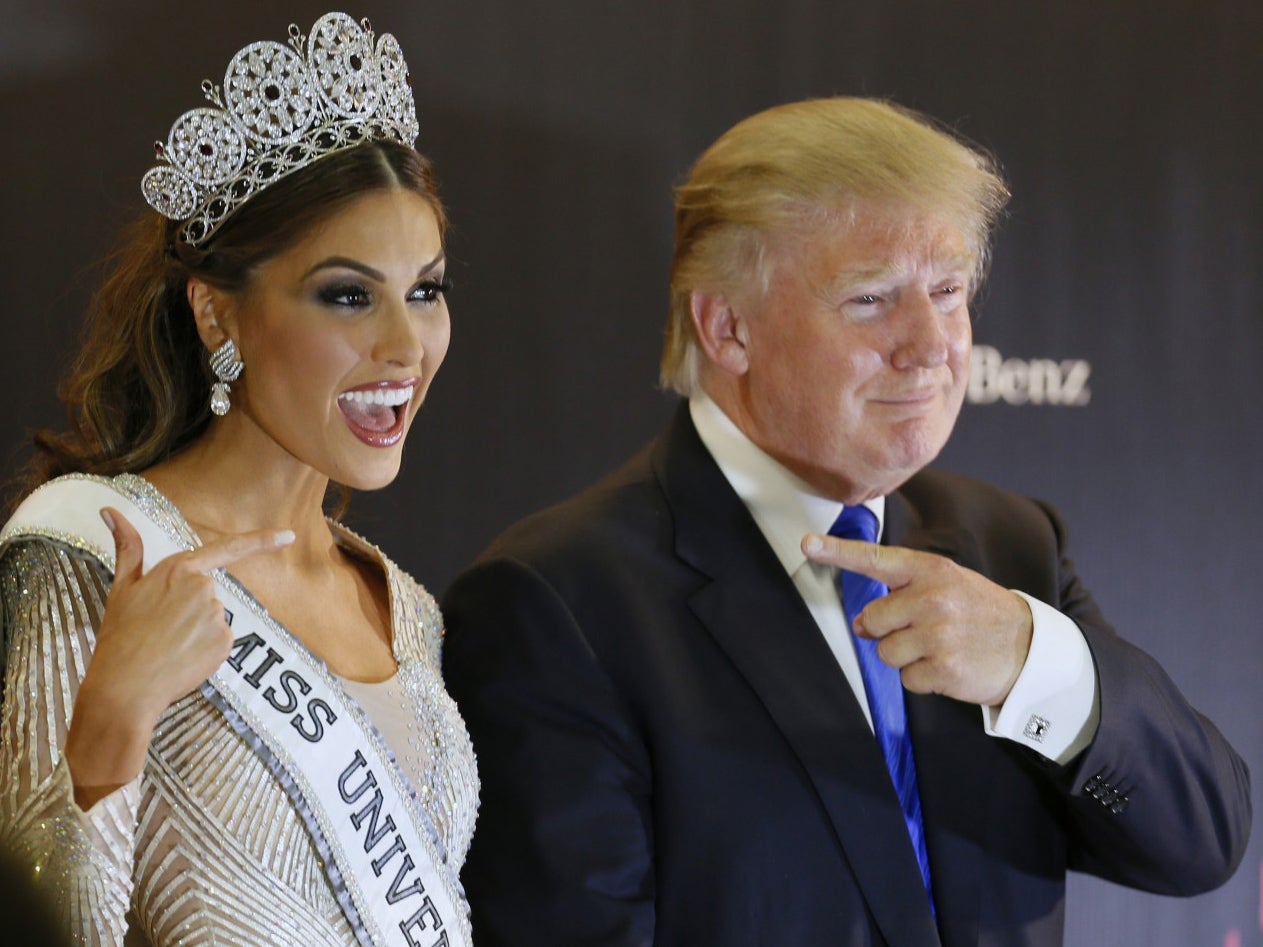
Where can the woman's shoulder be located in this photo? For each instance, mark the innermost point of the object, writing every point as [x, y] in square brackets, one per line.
[59, 505]
[45, 522]
[53, 573]
[61, 517]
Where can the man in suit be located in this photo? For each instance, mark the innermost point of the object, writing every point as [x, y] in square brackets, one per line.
[683, 734]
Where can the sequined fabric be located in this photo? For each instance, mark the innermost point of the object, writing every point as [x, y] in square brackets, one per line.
[203, 847]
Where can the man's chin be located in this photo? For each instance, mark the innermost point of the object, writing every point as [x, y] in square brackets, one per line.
[896, 467]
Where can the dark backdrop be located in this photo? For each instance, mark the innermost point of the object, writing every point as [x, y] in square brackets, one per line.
[1126, 280]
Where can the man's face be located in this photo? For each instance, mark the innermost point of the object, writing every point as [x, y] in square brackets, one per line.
[858, 354]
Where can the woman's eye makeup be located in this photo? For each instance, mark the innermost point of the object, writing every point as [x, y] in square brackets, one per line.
[351, 294]
[430, 290]
[344, 294]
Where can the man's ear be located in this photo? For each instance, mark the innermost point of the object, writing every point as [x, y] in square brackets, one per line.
[212, 312]
[721, 332]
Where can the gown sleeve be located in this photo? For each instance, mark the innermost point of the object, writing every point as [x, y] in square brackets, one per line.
[53, 598]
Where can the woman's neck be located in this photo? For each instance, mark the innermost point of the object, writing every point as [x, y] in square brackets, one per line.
[232, 481]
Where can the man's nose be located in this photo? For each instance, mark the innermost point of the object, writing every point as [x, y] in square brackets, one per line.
[922, 339]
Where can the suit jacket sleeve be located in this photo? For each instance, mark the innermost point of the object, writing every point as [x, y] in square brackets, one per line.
[1159, 800]
[563, 848]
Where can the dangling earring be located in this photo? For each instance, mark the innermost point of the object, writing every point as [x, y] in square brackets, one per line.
[227, 366]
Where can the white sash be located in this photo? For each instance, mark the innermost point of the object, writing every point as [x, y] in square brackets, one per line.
[382, 854]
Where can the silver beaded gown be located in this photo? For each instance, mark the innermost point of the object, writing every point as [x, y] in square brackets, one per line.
[204, 846]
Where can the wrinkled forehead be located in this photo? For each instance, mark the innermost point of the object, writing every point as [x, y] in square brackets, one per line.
[870, 242]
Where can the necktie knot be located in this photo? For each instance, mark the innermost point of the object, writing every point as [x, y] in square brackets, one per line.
[855, 522]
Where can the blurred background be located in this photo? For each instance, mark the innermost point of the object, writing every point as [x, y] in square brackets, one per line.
[1120, 332]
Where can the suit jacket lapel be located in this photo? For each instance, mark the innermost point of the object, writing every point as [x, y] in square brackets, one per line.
[755, 614]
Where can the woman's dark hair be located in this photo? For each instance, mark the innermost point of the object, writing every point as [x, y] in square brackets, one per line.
[138, 390]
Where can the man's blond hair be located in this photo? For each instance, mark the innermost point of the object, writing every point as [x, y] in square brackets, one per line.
[797, 166]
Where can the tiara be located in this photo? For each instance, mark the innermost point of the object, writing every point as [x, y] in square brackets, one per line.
[280, 109]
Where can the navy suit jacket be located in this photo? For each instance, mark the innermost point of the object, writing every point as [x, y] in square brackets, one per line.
[670, 754]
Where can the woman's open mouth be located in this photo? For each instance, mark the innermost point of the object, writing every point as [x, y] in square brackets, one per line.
[376, 413]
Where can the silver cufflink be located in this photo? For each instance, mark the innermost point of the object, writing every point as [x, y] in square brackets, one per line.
[1036, 728]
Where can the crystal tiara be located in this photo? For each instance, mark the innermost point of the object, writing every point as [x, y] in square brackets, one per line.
[280, 109]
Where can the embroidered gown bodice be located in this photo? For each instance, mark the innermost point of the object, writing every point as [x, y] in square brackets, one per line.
[204, 846]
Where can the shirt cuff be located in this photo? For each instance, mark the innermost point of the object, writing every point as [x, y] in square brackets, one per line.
[1054, 707]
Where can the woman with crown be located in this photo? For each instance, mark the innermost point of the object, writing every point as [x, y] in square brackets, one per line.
[223, 718]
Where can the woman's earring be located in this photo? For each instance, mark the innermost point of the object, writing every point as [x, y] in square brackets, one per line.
[227, 366]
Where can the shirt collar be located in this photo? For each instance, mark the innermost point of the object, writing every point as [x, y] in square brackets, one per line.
[783, 505]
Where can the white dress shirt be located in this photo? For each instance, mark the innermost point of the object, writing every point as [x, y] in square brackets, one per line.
[1053, 706]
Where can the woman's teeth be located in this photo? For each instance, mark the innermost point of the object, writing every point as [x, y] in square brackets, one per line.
[391, 397]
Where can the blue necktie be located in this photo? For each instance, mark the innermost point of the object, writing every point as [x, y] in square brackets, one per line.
[881, 682]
